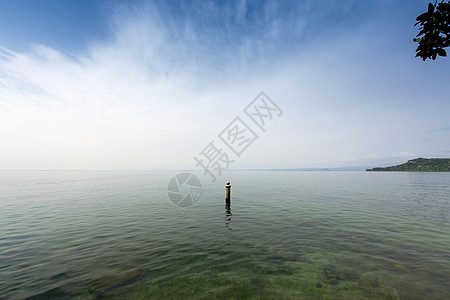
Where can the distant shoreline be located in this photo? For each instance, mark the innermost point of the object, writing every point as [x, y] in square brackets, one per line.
[418, 165]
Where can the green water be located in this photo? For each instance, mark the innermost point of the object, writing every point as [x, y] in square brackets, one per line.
[287, 235]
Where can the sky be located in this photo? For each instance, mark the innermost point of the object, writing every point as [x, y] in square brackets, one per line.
[138, 85]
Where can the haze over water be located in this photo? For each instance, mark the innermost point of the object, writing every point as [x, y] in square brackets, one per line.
[85, 235]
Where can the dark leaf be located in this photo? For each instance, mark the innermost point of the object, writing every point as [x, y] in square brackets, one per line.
[422, 17]
[441, 52]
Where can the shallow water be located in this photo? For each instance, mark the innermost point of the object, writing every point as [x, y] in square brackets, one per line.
[289, 235]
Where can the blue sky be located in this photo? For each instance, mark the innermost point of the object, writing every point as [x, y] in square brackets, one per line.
[148, 84]
[64, 25]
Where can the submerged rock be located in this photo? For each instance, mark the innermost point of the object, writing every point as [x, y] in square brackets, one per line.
[111, 280]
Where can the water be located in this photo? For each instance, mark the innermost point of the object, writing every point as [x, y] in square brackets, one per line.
[287, 235]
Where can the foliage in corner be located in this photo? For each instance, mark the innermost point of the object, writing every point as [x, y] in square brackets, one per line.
[434, 34]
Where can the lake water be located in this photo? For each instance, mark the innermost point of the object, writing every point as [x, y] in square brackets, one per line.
[287, 235]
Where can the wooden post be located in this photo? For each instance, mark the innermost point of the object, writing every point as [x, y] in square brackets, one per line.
[228, 192]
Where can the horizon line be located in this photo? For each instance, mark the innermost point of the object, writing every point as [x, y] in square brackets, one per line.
[190, 170]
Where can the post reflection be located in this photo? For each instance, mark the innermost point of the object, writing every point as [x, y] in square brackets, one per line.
[228, 215]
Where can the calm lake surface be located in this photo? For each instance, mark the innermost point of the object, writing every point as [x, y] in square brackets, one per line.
[288, 235]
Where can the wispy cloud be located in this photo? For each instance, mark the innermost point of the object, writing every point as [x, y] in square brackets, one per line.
[138, 94]
[447, 128]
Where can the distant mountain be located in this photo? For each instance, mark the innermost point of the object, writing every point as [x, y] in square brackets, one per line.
[294, 169]
[301, 169]
[307, 169]
[420, 165]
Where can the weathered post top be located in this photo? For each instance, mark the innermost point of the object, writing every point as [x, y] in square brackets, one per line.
[227, 191]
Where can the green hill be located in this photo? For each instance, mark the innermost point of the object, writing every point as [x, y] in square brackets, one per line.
[420, 165]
